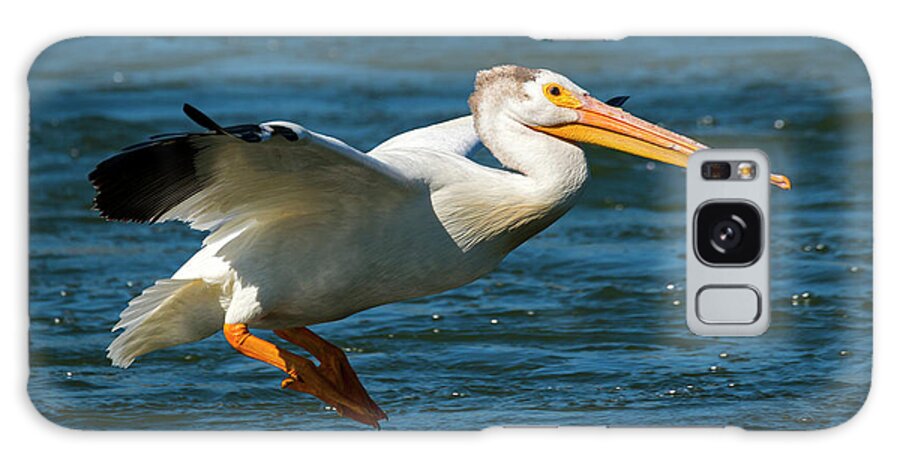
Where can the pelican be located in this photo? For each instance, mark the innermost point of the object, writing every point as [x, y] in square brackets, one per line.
[304, 229]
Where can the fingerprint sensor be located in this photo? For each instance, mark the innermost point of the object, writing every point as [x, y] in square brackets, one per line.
[723, 304]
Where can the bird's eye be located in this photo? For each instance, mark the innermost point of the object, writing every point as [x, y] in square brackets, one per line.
[560, 96]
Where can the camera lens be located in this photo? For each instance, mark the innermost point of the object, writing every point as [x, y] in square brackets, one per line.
[728, 233]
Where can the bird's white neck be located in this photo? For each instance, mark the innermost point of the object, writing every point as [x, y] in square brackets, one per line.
[549, 175]
[552, 171]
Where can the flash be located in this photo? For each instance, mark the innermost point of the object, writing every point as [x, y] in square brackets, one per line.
[746, 170]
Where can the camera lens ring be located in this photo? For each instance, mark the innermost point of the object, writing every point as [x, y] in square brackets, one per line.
[743, 244]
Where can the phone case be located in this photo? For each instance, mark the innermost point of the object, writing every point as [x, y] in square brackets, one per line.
[272, 256]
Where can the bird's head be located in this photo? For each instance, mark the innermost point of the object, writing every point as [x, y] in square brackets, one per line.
[550, 103]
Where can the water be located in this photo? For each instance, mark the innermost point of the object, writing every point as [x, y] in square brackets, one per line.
[583, 324]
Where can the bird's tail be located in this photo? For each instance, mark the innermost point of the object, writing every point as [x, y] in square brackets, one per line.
[171, 312]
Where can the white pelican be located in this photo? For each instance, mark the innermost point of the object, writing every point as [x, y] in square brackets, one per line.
[305, 229]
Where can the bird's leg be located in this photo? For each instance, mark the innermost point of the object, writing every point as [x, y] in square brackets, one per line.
[335, 367]
[305, 376]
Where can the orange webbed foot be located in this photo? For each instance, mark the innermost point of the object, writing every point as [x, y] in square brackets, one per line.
[332, 381]
[336, 369]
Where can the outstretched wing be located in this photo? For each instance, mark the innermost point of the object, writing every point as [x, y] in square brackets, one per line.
[247, 171]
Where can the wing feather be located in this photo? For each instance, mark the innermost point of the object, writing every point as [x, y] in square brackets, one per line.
[251, 171]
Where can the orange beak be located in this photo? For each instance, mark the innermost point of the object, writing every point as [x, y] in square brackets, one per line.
[612, 127]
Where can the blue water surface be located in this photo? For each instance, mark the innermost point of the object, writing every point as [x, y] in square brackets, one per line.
[582, 325]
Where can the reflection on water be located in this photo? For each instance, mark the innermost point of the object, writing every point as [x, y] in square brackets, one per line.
[583, 324]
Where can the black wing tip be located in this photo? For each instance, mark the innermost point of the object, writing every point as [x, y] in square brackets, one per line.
[144, 181]
[114, 217]
[245, 132]
[618, 101]
[201, 119]
[142, 184]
